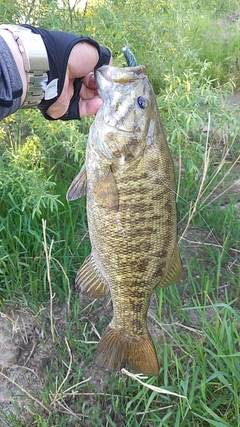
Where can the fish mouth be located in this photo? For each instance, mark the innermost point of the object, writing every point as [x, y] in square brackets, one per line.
[119, 75]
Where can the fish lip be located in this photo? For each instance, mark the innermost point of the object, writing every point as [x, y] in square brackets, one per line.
[104, 71]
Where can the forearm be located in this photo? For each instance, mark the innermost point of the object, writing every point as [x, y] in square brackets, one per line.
[12, 77]
[13, 47]
[24, 66]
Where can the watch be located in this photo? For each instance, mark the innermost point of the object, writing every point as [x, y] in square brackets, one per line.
[35, 61]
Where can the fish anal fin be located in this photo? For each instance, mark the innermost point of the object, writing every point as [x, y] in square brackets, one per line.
[89, 280]
[174, 271]
[78, 188]
[116, 351]
[106, 191]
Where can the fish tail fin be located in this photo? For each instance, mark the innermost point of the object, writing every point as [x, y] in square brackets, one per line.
[116, 351]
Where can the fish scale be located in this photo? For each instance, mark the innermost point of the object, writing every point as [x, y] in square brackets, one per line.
[128, 178]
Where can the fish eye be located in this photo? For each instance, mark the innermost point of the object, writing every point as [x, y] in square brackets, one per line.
[142, 102]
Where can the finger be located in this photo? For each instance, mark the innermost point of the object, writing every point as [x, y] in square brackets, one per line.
[82, 60]
[89, 107]
[89, 81]
[87, 93]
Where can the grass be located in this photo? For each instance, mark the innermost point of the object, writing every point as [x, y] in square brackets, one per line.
[44, 239]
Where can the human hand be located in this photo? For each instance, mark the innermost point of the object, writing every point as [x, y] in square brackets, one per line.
[72, 59]
[87, 100]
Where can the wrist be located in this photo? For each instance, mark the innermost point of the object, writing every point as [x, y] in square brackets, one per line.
[7, 36]
[31, 58]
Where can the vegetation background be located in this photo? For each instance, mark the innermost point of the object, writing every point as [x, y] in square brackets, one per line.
[191, 50]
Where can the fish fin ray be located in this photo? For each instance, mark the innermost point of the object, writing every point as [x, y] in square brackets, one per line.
[106, 191]
[116, 351]
[78, 187]
[89, 280]
[174, 271]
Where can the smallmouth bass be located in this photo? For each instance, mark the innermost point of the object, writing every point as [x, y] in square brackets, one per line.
[128, 178]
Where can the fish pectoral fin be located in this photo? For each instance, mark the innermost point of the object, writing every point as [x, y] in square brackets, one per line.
[89, 280]
[116, 351]
[106, 191]
[174, 271]
[78, 188]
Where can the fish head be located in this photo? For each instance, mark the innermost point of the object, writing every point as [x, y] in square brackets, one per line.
[129, 105]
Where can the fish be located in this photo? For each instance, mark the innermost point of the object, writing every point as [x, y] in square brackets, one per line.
[129, 183]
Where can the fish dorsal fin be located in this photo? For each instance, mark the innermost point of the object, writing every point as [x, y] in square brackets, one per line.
[89, 280]
[106, 191]
[174, 271]
[78, 188]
